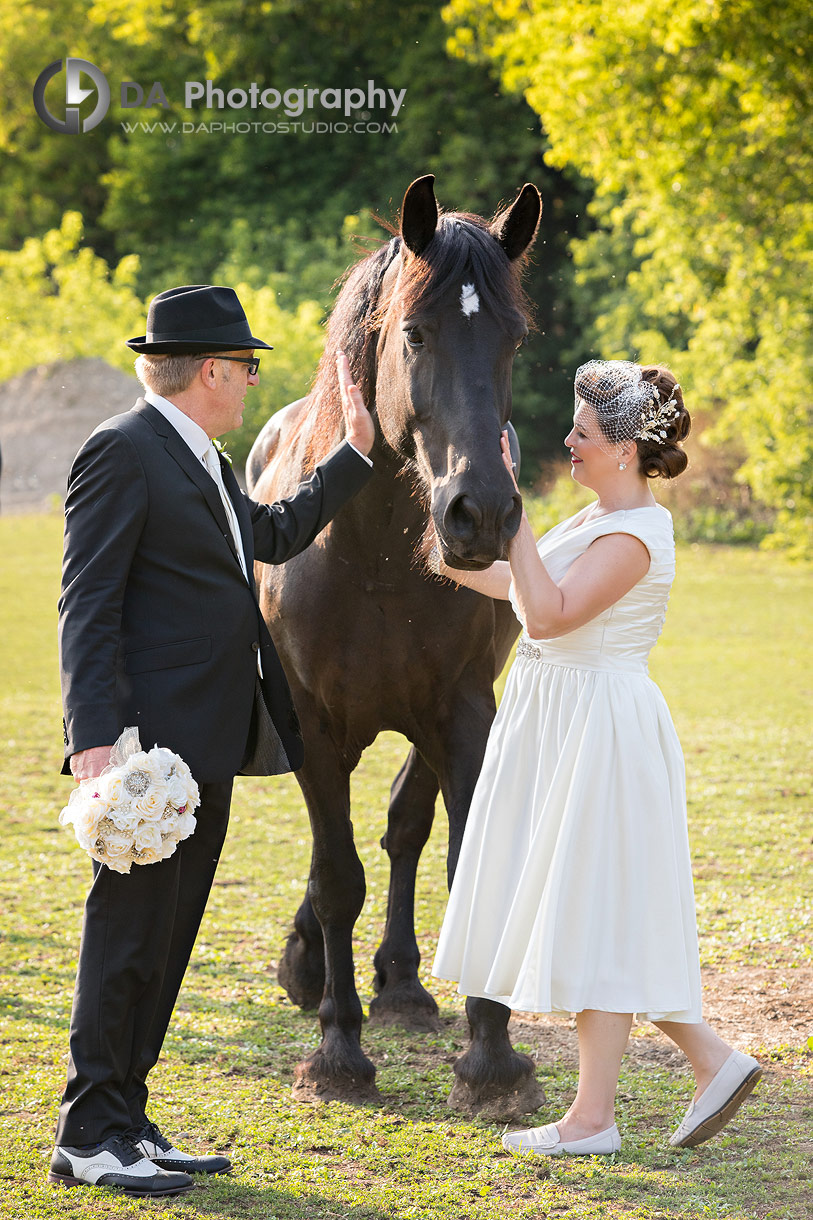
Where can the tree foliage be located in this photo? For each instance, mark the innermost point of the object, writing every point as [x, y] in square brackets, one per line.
[75, 305]
[693, 121]
[272, 209]
[60, 301]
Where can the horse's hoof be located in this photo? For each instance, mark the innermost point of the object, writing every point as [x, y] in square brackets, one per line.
[317, 1080]
[495, 1085]
[406, 1004]
[494, 1106]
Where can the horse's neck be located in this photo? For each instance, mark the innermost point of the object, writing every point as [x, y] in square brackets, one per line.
[384, 518]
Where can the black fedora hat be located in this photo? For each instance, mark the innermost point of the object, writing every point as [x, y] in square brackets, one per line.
[196, 318]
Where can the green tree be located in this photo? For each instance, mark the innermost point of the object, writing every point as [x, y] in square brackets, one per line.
[255, 207]
[694, 124]
[75, 305]
[41, 172]
[263, 208]
[286, 374]
[72, 304]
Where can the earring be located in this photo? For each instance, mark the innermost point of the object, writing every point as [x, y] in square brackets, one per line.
[622, 465]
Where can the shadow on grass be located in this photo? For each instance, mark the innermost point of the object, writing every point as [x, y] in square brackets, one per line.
[413, 1068]
[231, 1197]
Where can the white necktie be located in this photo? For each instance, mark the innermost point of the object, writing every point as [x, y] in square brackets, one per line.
[212, 463]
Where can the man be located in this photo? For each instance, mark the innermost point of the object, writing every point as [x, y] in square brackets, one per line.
[159, 628]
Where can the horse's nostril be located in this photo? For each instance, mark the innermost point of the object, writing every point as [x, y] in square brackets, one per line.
[463, 517]
[511, 520]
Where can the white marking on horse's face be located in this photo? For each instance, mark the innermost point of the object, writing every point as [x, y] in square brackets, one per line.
[469, 300]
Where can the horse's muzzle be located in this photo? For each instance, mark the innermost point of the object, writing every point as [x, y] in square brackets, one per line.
[475, 527]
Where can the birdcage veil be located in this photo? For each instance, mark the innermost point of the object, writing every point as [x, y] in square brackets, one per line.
[625, 406]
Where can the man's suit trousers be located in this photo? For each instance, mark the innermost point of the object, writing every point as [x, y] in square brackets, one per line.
[138, 933]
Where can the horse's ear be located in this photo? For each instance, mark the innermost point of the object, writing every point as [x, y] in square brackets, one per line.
[515, 228]
[419, 214]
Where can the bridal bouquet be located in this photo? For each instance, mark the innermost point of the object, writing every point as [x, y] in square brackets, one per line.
[138, 810]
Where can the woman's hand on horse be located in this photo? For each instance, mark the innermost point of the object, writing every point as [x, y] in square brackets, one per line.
[359, 426]
[506, 457]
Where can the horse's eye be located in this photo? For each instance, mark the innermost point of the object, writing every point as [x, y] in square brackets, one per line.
[521, 342]
[414, 337]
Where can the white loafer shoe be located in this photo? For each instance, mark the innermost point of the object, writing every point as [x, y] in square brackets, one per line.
[545, 1141]
[719, 1101]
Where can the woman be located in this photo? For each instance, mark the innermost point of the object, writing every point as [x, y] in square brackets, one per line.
[573, 892]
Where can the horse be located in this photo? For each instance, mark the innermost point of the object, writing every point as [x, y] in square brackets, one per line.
[371, 639]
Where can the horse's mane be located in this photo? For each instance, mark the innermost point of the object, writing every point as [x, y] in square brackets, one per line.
[462, 246]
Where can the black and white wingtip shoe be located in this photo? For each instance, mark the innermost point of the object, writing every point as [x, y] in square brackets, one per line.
[153, 1144]
[116, 1162]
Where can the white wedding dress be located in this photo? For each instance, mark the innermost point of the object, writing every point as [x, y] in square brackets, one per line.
[574, 886]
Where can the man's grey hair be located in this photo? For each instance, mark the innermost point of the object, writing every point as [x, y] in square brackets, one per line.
[167, 375]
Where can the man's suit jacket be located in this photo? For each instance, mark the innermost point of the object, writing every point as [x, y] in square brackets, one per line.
[158, 627]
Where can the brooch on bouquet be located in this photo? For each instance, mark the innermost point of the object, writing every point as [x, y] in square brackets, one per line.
[138, 810]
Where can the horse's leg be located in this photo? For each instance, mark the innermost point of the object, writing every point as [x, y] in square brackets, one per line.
[338, 1068]
[302, 966]
[492, 1079]
[401, 999]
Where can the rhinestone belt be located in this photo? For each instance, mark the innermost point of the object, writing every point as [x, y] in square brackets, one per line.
[532, 651]
[601, 664]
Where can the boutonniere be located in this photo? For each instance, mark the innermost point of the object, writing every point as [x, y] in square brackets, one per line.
[221, 449]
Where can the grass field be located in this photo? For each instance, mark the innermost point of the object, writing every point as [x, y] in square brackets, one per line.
[735, 665]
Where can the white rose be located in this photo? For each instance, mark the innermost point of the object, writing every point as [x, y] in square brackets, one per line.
[150, 857]
[113, 849]
[191, 790]
[87, 817]
[176, 786]
[86, 841]
[117, 844]
[168, 847]
[126, 820]
[148, 837]
[83, 810]
[111, 788]
[151, 804]
[182, 770]
[163, 759]
[185, 825]
[118, 866]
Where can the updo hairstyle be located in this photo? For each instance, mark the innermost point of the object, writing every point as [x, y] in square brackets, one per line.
[665, 459]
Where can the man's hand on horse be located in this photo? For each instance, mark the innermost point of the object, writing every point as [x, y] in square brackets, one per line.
[358, 422]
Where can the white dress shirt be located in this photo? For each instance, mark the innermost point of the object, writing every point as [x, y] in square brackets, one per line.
[203, 449]
[187, 429]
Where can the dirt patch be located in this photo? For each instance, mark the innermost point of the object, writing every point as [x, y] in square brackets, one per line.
[755, 1008]
[760, 1006]
[45, 416]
